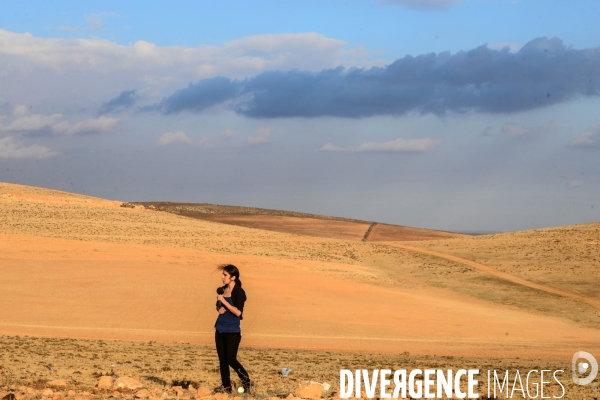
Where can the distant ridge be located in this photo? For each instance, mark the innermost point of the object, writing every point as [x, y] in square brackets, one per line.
[301, 223]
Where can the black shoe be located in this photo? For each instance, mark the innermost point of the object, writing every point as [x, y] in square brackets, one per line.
[248, 386]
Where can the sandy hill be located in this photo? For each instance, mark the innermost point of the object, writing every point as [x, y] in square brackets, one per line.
[78, 266]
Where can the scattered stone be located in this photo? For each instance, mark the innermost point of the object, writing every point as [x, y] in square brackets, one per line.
[142, 394]
[203, 391]
[310, 391]
[221, 396]
[105, 383]
[57, 396]
[58, 384]
[127, 383]
[116, 394]
[82, 397]
[178, 390]
[47, 392]
[155, 398]
[71, 393]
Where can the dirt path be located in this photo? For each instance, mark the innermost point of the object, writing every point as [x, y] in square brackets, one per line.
[502, 275]
[368, 232]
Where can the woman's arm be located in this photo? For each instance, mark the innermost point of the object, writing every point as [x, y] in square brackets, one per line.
[231, 308]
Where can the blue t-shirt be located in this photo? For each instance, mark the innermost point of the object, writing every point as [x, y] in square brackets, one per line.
[228, 322]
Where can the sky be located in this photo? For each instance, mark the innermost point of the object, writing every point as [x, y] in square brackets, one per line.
[462, 115]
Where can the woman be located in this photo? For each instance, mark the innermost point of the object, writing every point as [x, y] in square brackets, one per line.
[230, 306]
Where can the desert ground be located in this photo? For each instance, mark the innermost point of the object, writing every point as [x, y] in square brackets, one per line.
[355, 293]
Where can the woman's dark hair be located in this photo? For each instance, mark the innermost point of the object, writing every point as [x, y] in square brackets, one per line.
[232, 270]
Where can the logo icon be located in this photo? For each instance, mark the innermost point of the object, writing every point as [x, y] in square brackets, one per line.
[584, 367]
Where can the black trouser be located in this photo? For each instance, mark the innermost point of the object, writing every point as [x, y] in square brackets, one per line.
[227, 348]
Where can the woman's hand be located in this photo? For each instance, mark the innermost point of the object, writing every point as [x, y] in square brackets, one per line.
[222, 310]
[227, 306]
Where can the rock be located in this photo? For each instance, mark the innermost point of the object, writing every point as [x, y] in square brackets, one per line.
[127, 383]
[178, 390]
[155, 398]
[71, 393]
[57, 397]
[116, 394]
[82, 397]
[203, 391]
[221, 396]
[237, 398]
[47, 392]
[58, 384]
[310, 391]
[105, 383]
[142, 394]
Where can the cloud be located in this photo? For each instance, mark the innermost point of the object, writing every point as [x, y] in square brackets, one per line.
[260, 136]
[174, 137]
[124, 100]
[92, 125]
[227, 133]
[542, 73]
[489, 131]
[510, 46]
[11, 148]
[147, 61]
[512, 129]
[53, 71]
[55, 124]
[588, 139]
[199, 96]
[20, 110]
[397, 145]
[574, 184]
[422, 4]
[94, 23]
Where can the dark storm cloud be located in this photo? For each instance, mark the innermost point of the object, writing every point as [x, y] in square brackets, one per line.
[542, 73]
[124, 100]
[200, 96]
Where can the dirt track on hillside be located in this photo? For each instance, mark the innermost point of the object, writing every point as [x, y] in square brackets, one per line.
[502, 275]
